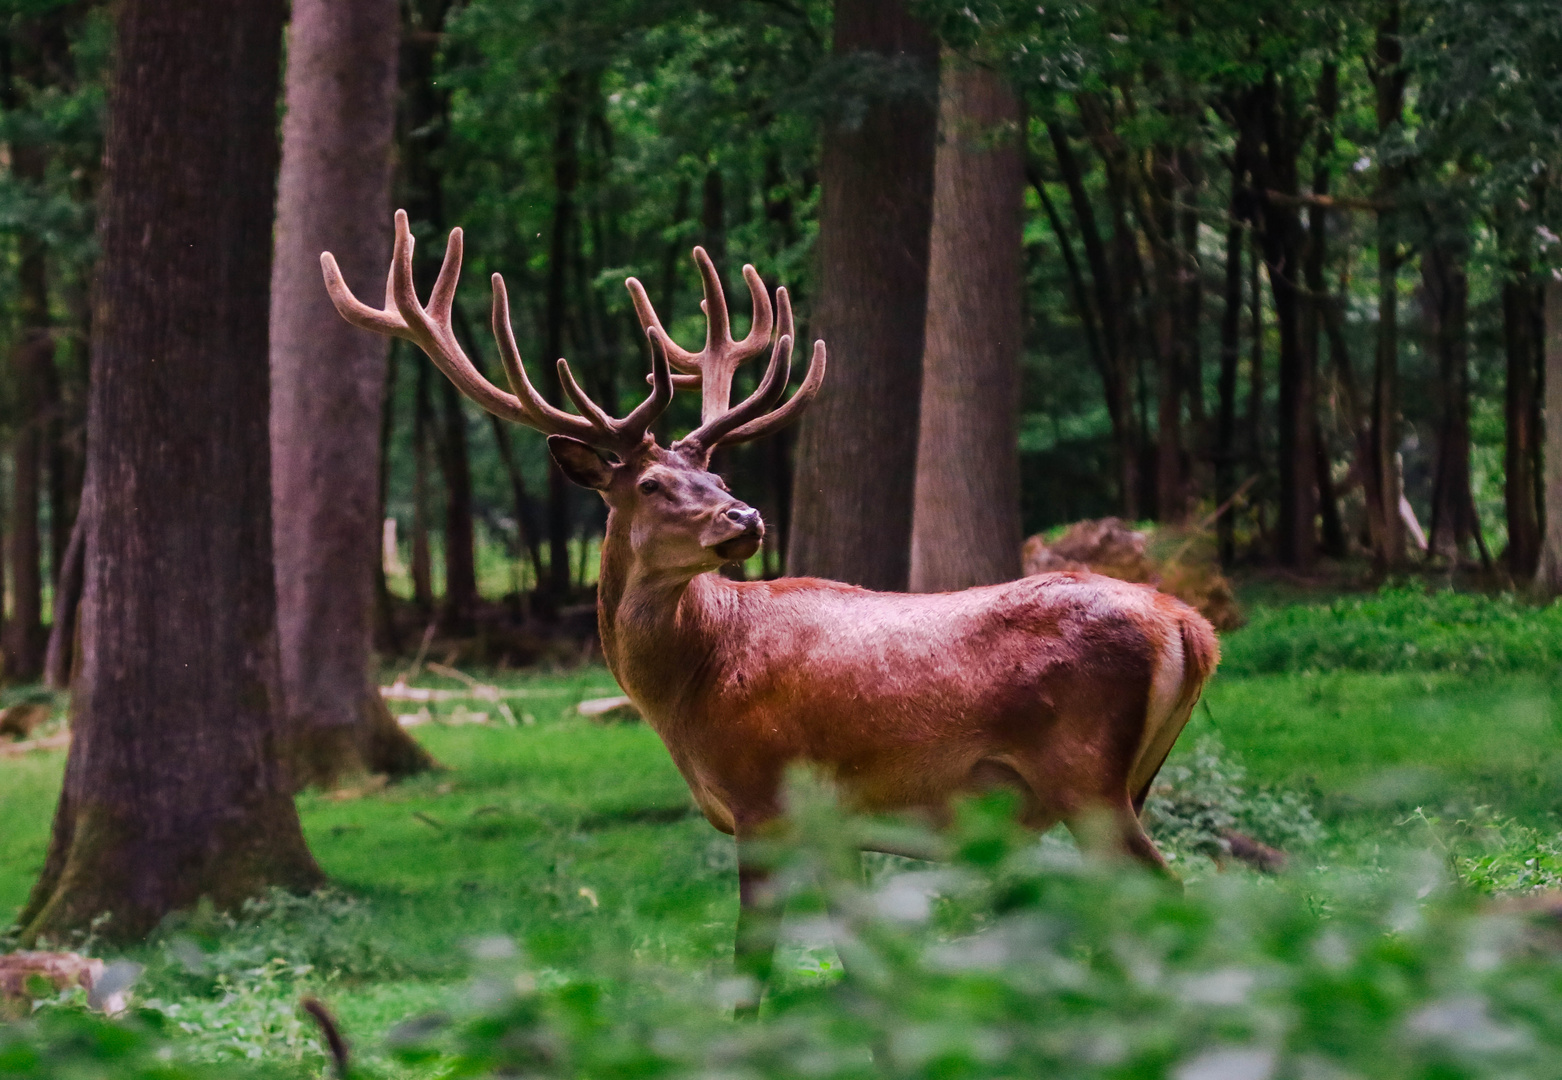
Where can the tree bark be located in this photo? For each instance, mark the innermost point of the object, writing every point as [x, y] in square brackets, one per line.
[857, 450]
[1548, 577]
[328, 384]
[966, 524]
[1523, 436]
[174, 788]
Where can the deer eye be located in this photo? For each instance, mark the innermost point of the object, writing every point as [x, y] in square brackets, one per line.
[649, 486]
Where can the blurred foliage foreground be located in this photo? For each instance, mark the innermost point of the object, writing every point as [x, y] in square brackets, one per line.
[1015, 959]
[1380, 953]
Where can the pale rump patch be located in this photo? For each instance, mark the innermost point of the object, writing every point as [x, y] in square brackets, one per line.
[1162, 724]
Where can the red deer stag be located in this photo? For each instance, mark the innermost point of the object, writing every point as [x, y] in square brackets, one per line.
[1069, 687]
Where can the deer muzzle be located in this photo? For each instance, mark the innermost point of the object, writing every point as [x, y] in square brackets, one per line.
[750, 531]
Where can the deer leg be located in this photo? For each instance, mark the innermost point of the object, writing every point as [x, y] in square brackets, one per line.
[759, 925]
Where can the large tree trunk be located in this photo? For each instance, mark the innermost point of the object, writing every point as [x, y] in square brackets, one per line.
[328, 386]
[857, 451]
[1522, 406]
[966, 528]
[1548, 578]
[174, 787]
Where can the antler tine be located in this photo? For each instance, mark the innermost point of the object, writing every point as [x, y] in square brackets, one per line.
[712, 367]
[708, 436]
[780, 418]
[430, 329]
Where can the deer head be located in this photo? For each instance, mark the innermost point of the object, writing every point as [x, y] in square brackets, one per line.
[680, 515]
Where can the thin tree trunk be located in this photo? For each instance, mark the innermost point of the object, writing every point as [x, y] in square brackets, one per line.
[1115, 367]
[387, 639]
[1230, 347]
[1445, 297]
[1296, 534]
[566, 175]
[1314, 313]
[422, 432]
[328, 384]
[1255, 373]
[59, 662]
[460, 537]
[1389, 536]
[174, 788]
[966, 528]
[1522, 408]
[1548, 577]
[857, 450]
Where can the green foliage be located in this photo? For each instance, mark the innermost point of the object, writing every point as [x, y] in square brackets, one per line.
[1202, 795]
[1400, 628]
[1017, 960]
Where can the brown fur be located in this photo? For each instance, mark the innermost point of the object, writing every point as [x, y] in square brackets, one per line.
[905, 700]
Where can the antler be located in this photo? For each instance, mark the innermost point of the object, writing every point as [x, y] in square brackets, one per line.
[429, 328]
[712, 368]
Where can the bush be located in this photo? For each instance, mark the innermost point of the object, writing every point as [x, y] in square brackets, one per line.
[1201, 797]
[1400, 628]
[1021, 959]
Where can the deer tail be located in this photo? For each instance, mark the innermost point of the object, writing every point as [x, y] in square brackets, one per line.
[1172, 703]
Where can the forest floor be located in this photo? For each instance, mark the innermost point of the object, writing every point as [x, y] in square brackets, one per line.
[578, 841]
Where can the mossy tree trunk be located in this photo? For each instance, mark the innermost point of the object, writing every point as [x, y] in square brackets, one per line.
[328, 388]
[174, 787]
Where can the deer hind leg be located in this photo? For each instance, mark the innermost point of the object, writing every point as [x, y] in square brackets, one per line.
[760, 907]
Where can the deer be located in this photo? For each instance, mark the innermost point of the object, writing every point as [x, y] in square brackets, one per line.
[1069, 688]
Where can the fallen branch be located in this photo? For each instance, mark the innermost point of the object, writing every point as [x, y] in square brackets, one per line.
[52, 742]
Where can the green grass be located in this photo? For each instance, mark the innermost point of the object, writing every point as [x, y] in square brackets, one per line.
[579, 841]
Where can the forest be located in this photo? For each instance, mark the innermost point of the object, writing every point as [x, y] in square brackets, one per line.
[320, 753]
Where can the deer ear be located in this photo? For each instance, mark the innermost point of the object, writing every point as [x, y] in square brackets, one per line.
[580, 463]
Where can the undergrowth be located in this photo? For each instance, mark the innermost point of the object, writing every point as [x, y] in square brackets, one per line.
[1399, 628]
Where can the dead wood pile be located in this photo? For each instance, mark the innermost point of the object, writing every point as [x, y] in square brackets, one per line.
[1181, 562]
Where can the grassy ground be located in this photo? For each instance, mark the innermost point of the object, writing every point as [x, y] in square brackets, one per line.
[578, 841]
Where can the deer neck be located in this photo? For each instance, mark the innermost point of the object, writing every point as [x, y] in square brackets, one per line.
[656, 626]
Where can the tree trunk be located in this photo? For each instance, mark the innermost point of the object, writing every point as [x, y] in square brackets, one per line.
[566, 175]
[1522, 406]
[1388, 540]
[1255, 377]
[1314, 307]
[1115, 365]
[966, 527]
[24, 639]
[460, 538]
[174, 788]
[1296, 532]
[1230, 346]
[328, 382]
[1548, 578]
[1445, 296]
[857, 450]
[422, 435]
[59, 661]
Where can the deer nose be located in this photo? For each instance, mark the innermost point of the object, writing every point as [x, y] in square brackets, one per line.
[746, 517]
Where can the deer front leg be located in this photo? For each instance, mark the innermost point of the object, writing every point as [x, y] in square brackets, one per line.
[759, 924]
